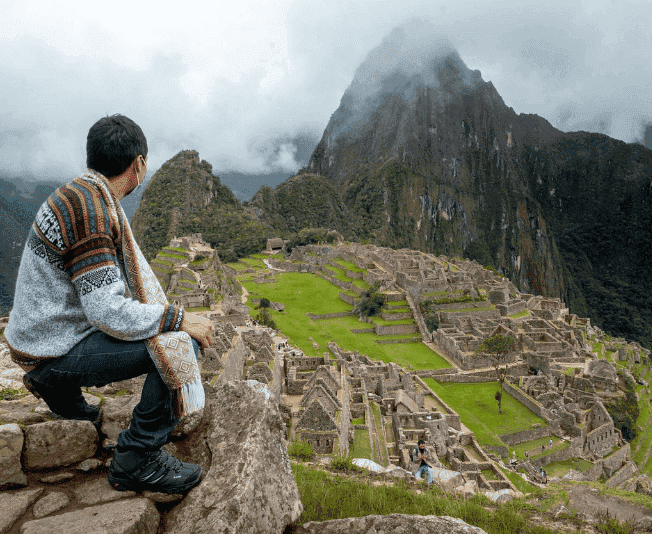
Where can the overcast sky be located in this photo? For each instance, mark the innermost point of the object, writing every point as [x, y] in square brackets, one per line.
[251, 85]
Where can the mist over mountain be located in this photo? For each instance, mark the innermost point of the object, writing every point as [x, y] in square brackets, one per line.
[423, 153]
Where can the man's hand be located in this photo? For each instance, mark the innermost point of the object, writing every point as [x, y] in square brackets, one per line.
[198, 327]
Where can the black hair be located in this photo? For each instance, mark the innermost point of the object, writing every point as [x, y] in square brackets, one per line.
[113, 143]
[420, 442]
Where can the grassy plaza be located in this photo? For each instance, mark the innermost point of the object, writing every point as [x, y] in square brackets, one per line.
[303, 293]
[479, 411]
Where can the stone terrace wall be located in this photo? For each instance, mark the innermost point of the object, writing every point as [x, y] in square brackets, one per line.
[528, 401]
[625, 473]
[614, 462]
[526, 435]
[395, 329]
[452, 418]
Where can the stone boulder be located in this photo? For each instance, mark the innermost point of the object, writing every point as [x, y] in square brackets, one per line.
[446, 479]
[249, 485]
[501, 496]
[644, 485]
[390, 524]
[116, 414]
[11, 448]
[58, 443]
[131, 516]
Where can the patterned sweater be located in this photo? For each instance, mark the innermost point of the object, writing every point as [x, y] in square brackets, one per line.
[71, 281]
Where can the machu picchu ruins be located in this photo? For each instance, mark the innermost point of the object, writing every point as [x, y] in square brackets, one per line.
[345, 403]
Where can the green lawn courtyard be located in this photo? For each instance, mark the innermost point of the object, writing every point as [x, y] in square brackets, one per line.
[479, 411]
[303, 293]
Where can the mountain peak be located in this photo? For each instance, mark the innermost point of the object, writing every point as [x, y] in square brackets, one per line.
[409, 58]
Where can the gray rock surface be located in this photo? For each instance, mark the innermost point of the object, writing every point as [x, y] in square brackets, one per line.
[133, 516]
[249, 487]
[116, 414]
[446, 479]
[11, 448]
[59, 477]
[89, 465]
[49, 504]
[15, 504]
[58, 443]
[391, 524]
[99, 490]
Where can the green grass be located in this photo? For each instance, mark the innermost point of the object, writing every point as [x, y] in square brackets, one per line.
[402, 303]
[177, 256]
[237, 266]
[307, 293]
[325, 497]
[178, 249]
[479, 411]
[253, 262]
[199, 309]
[384, 458]
[521, 485]
[349, 266]
[520, 314]
[361, 445]
[405, 309]
[358, 421]
[559, 469]
[260, 256]
[642, 443]
[534, 446]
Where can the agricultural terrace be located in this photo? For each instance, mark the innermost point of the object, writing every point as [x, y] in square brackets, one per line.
[479, 411]
[303, 293]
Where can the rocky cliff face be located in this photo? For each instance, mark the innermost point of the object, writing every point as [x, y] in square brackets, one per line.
[430, 157]
[185, 197]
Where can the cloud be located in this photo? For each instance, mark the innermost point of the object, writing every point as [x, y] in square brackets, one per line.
[244, 82]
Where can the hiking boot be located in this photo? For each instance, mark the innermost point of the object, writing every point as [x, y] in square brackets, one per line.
[63, 404]
[152, 471]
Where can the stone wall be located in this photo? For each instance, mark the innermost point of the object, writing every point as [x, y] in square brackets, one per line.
[395, 329]
[558, 456]
[601, 440]
[327, 315]
[233, 362]
[235, 319]
[349, 299]
[345, 415]
[528, 401]
[395, 341]
[614, 462]
[525, 435]
[452, 418]
[625, 473]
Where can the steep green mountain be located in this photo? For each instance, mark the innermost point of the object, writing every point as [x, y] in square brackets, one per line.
[432, 158]
[185, 197]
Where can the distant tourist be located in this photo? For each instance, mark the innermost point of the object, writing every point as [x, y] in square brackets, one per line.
[527, 454]
[73, 326]
[550, 444]
[543, 447]
[421, 454]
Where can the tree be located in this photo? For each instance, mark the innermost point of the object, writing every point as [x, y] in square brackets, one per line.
[498, 348]
[264, 303]
[265, 318]
[371, 302]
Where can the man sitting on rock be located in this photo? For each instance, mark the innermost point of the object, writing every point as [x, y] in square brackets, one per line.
[421, 453]
[88, 311]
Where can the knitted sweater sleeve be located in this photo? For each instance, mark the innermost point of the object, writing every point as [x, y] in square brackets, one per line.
[93, 268]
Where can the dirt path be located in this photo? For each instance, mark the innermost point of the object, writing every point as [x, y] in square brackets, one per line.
[244, 296]
[587, 500]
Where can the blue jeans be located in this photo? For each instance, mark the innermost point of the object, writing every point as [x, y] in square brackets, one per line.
[100, 359]
[429, 473]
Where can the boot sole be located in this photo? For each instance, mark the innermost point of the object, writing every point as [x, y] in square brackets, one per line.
[133, 485]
